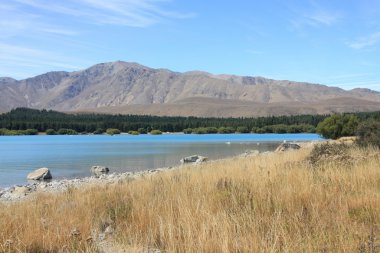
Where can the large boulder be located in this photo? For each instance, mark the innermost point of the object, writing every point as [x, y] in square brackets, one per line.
[40, 174]
[287, 146]
[194, 159]
[99, 170]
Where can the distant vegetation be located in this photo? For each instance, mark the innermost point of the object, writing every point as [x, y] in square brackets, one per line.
[4, 131]
[53, 122]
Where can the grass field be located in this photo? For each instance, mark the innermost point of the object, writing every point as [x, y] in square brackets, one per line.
[269, 203]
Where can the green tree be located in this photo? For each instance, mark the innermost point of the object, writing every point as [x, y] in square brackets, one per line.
[368, 133]
[50, 131]
[337, 126]
[112, 131]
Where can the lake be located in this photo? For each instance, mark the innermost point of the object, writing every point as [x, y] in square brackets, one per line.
[73, 156]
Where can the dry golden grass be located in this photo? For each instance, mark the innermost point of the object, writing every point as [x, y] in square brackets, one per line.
[268, 203]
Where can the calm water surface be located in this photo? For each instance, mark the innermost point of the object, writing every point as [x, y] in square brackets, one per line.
[72, 156]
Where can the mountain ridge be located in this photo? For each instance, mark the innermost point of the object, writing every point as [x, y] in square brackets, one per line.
[117, 85]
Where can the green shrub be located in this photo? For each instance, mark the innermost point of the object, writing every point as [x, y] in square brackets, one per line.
[226, 130]
[301, 128]
[200, 130]
[155, 132]
[50, 132]
[188, 131]
[329, 152]
[65, 131]
[280, 129]
[212, 130]
[4, 131]
[337, 126]
[142, 130]
[99, 131]
[260, 131]
[133, 132]
[242, 129]
[368, 133]
[112, 131]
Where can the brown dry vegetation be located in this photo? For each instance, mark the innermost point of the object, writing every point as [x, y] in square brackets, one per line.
[268, 203]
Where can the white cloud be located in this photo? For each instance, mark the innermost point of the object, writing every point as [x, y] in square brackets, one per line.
[14, 21]
[315, 19]
[32, 59]
[322, 18]
[135, 13]
[365, 42]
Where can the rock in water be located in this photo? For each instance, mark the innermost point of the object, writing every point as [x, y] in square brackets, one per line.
[40, 174]
[194, 159]
[287, 146]
[99, 170]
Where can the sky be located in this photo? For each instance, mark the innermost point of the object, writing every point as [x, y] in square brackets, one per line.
[331, 42]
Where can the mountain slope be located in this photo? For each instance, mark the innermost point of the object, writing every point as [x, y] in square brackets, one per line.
[121, 87]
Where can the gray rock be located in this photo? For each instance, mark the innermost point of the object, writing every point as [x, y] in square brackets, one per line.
[40, 174]
[99, 170]
[21, 190]
[194, 159]
[287, 146]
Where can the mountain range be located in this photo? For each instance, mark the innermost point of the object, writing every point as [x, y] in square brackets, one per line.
[130, 88]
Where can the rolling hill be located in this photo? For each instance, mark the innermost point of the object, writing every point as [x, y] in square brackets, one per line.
[130, 88]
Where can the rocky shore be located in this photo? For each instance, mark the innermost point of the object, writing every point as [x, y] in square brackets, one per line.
[20, 192]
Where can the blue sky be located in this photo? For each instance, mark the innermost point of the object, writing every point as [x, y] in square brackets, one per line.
[333, 42]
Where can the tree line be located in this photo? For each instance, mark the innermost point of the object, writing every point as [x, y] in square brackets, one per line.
[22, 119]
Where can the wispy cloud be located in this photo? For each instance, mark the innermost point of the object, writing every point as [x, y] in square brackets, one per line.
[36, 35]
[322, 18]
[135, 13]
[317, 18]
[354, 80]
[15, 21]
[312, 14]
[31, 59]
[366, 41]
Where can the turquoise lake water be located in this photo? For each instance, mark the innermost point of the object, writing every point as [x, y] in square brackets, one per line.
[73, 156]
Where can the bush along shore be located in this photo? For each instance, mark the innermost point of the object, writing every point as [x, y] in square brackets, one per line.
[311, 199]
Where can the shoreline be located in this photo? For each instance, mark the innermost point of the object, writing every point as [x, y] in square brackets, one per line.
[24, 191]
[20, 192]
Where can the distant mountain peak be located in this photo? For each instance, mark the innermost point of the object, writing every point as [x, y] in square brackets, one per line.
[120, 85]
[7, 80]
